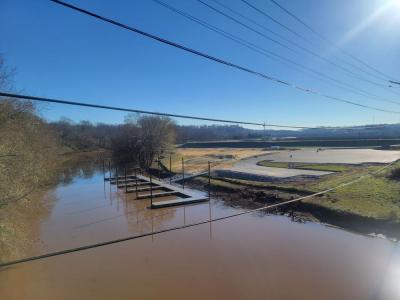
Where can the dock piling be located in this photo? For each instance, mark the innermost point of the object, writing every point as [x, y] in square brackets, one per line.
[109, 170]
[209, 195]
[209, 181]
[126, 185]
[170, 169]
[104, 172]
[183, 174]
[116, 174]
[151, 191]
[159, 168]
[136, 182]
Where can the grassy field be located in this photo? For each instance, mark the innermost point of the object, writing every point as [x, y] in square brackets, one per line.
[376, 196]
[307, 166]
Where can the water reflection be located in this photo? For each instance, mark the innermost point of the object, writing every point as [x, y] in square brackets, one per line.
[78, 169]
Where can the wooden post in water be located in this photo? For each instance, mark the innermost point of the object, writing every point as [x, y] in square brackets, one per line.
[159, 168]
[170, 169]
[209, 198]
[183, 174]
[109, 171]
[116, 174]
[136, 183]
[151, 191]
[104, 171]
[209, 195]
[209, 182]
[126, 184]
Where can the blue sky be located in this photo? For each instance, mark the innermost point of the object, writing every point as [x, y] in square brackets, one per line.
[63, 54]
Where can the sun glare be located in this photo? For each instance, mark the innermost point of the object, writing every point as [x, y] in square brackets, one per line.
[395, 4]
[390, 286]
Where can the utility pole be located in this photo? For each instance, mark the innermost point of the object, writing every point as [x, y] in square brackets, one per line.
[264, 135]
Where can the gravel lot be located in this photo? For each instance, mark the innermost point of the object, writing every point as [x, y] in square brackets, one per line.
[345, 156]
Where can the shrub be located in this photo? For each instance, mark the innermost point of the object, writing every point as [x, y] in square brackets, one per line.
[395, 174]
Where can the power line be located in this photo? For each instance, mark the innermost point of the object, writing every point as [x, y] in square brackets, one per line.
[253, 21]
[279, 35]
[271, 55]
[310, 52]
[221, 61]
[354, 66]
[275, 21]
[300, 47]
[296, 18]
[244, 25]
[116, 241]
[85, 104]
[326, 40]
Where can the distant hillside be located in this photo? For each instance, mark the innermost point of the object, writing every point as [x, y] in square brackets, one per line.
[234, 132]
[88, 136]
[297, 142]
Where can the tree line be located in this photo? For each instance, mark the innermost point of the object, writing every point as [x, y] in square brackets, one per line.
[86, 136]
[28, 146]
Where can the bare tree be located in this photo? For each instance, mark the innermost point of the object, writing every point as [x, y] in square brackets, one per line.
[28, 146]
[157, 136]
[143, 138]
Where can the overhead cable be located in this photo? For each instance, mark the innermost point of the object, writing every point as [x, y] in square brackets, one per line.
[272, 55]
[221, 61]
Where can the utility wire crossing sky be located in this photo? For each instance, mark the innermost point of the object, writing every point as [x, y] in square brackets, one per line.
[365, 83]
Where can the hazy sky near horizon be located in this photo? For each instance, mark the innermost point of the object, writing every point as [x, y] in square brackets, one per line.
[60, 53]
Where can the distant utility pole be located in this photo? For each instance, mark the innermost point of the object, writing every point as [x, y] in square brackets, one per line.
[264, 134]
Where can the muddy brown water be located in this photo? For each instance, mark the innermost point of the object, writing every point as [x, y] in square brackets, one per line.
[247, 257]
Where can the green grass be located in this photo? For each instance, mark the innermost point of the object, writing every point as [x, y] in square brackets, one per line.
[376, 196]
[307, 166]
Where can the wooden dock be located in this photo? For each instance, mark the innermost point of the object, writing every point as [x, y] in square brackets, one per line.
[157, 189]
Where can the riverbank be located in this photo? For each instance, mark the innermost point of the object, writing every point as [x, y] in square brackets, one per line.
[371, 206]
[20, 219]
[20, 224]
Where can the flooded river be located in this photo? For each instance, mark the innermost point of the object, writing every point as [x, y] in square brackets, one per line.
[247, 257]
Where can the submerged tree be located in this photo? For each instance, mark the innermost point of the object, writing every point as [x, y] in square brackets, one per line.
[142, 139]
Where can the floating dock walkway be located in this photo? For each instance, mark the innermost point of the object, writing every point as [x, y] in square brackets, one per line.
[150, 188]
